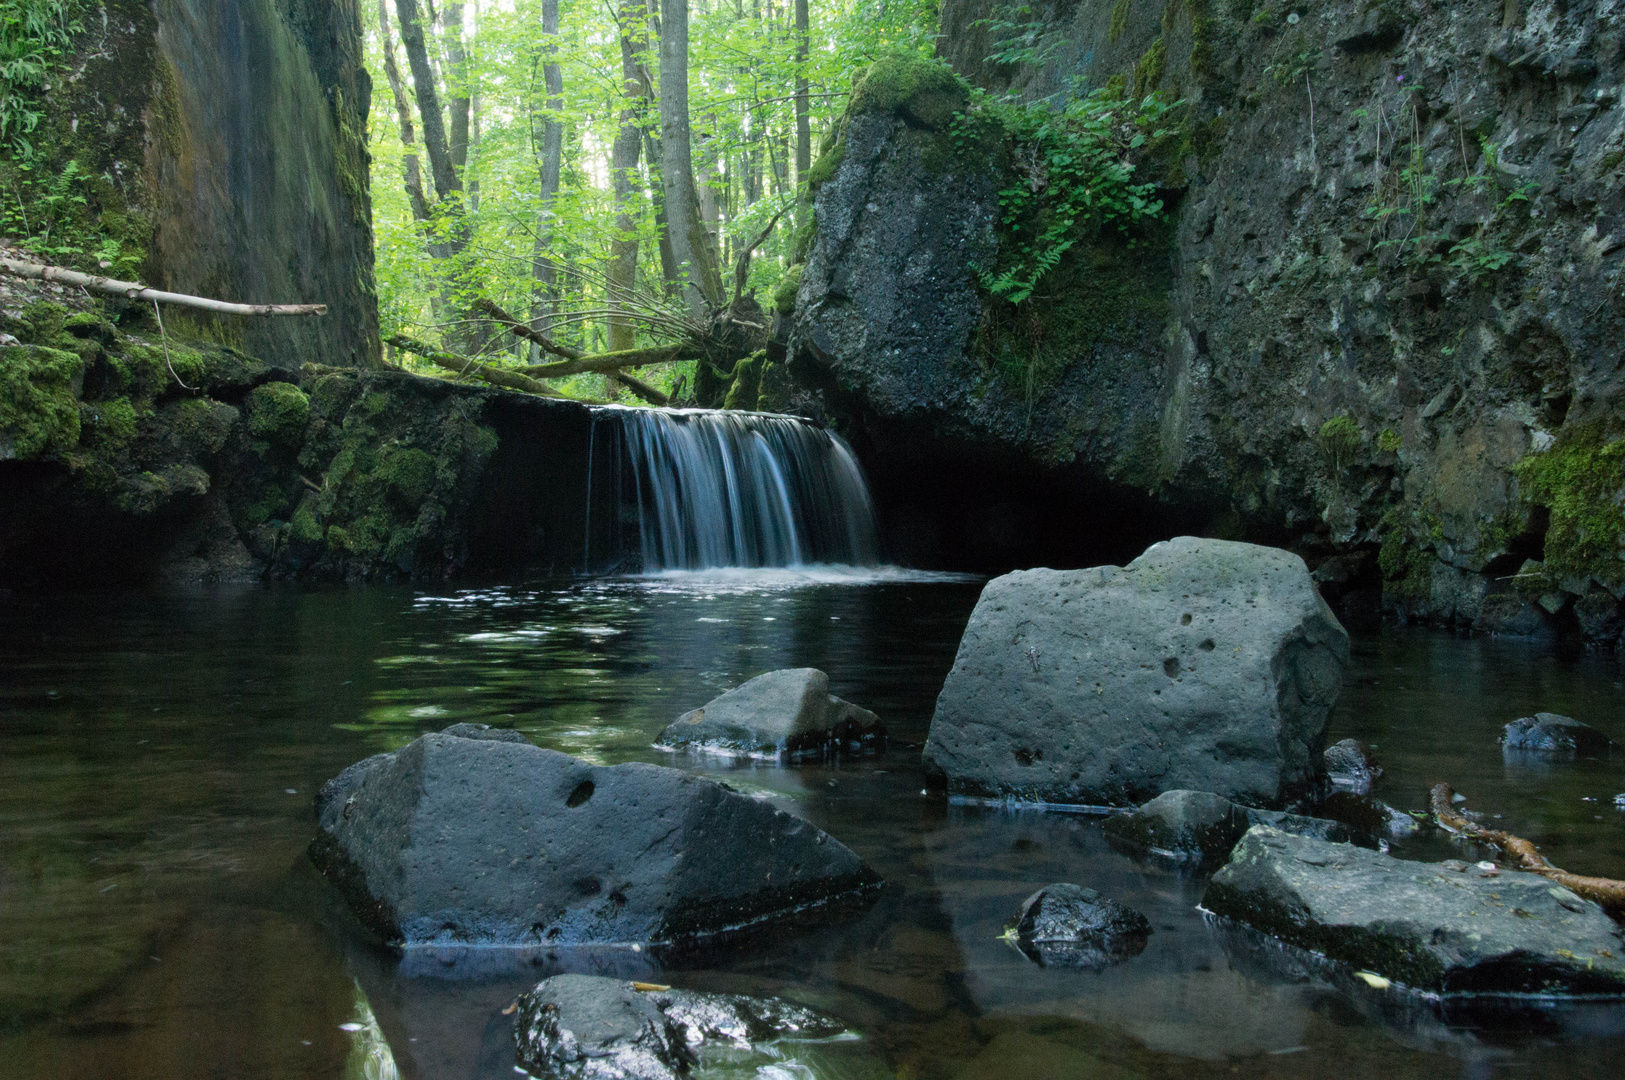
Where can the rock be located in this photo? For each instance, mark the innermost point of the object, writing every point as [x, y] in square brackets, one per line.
[1550, 735]
[485, 731]
[457, 841]
[596, 1028]
[1200, 827]
[780, 714]
[1365, 815]
[1065, 925]
[1350, 767]
[1431, 927]
[1203, 664]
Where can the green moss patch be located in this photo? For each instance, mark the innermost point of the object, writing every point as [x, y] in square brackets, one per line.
[784, 296]
[39, 401]
[278, 413]
[1581, 480]
[923, 91]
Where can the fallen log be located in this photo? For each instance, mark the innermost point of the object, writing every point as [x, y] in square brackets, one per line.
[132, 291]
[613, 361]
[504, 377]
[1607, 893]
[640, 388]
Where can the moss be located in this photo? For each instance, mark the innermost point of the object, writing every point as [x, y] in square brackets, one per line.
[922, 91]
[1119, 22]
[1149, 69]
[278, 412]
[332, 394]
[776, 388]
[801, 241]
[747, 382]
[113, 422]
[39, 401]
[784, 296]
[1407, 567]
[824, 168]
[409, 475]
[1340, 439]
[304, 528]
[1581, 480]
[201, 425]
[1389, 441]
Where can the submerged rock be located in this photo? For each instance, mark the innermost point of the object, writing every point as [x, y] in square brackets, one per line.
[595, 1028]
[1065, 925]
[1201, 827]
[1203, 664]
[453, 840]
[1350, 767]
[1441, 928]
[781, 713]
[1551, 735]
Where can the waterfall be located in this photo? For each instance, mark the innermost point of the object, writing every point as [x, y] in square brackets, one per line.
[718, 488]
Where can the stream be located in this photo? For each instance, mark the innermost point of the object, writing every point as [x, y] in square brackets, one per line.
[162, 751]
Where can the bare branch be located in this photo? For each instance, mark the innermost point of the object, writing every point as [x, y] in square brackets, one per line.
[132, 291]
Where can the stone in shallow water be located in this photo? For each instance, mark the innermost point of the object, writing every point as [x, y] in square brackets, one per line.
[1066, 925]
[1201, 827]
[1350, 767]
[587, 1027]
[1203, 664]
[457, 841]
[1437, 927]
[779, 714]
[1551, 735]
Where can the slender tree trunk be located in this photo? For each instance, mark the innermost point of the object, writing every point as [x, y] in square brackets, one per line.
[441, 169]
[551, 163]
[696, 260]
[803, 120]
[411, 174]
[457, 83]
[623, 247]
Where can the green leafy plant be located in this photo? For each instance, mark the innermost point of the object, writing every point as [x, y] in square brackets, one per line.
[1019, 37]
[51, 217]
[34, 36]
[1340, 438]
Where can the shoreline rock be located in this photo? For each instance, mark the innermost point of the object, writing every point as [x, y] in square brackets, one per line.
[1202, 828]
[781, 714]
[457, 841]
[1440, 928]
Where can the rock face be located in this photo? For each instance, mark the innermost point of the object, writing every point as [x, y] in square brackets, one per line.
[779, 714]
[1282, 359]
[1445, 928]
[1066, 925]
[594, 1028]
[1203, 664]
[1350, 767]
[1550, 735]
[1200, 827]
[483, 841]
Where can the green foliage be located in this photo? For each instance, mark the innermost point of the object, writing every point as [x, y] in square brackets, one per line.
[34, 39]
[1389, 441]
[1021, 36]
[1070, 178]
[278, 412]
[39, 401]
[1581, 479]
[1340, 439]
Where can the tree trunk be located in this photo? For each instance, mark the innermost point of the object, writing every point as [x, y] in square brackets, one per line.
[691, 250]
[803, 120]
[411, 174]
[551, 163]
[457, 83]
[441, 169]
[623, 247]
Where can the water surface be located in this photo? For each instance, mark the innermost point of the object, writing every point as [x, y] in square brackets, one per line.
[159, 755]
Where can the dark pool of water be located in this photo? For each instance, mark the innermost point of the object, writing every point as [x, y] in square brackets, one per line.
[159, 754]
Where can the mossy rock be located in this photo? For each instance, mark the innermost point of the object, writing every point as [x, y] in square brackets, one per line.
[825, 167]
[776, 388]
[1581, 480]
[784, 296]
[331, 395]
[924, 92]
[112, 424]
[278, 413]
[747, 382]
[39, 401]
[202, 426]
[409, 474]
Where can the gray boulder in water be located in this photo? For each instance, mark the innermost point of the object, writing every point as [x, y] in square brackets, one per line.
[1201, 827]
[1203, 664]
[780, 714]
[1551, 735]
[1066, 925]
[455, 840]
[587, 1027]
[1446, 928]
[1350, 767]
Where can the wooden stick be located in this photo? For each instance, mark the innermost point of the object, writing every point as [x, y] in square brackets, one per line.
[132, 291]
[1607, 893]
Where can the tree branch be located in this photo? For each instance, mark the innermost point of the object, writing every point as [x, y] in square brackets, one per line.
[132, 291]
[520, 330]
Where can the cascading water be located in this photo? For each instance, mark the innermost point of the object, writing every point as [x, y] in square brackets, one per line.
[719, 489]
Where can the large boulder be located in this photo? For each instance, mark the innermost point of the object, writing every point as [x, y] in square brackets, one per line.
[595, 1028]
[1446, 928]
[454, 840]
[1203, 664]
[780, 714]
[1066, 925]
[1551, 735]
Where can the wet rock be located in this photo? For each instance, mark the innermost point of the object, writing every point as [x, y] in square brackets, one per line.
[1551, 735]
[1440, 928]
[1065, 925]
[595, 1028]
[1203, 664]
[457, 841]
[1366, 816]
[485, 731]
[780, 714]
[1350, 767]
[1200, 827]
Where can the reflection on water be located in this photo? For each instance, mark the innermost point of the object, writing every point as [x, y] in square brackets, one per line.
[160, 755]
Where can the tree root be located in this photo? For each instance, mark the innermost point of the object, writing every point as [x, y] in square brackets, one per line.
[1607, 893]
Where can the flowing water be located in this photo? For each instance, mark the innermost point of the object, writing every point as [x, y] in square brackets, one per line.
[159, 754]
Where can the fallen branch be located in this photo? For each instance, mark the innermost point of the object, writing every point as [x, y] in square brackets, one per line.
[520, 330]
[1607, 893]
[132, 291]
[612, 361]
[496, 376]
[640, 388]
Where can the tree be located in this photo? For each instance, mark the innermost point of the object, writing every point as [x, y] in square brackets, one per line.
[691, 248]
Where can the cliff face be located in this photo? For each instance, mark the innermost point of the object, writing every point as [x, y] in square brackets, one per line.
[1381, 324]
[223, 146]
